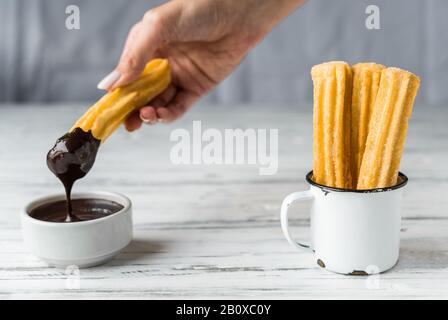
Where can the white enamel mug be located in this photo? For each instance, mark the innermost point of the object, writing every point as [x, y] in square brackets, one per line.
[354, 232]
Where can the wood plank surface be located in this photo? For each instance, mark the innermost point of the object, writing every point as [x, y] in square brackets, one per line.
[213, 231]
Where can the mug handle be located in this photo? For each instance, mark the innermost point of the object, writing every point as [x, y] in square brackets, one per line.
[290, 199]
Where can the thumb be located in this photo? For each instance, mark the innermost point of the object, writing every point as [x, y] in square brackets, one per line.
[142, 42]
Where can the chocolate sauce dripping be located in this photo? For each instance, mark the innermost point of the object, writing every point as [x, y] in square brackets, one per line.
[70, 159]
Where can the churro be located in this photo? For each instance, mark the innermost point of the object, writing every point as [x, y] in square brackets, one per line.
[331, 121]
[388, 128]
[366, 80]
[106, 115]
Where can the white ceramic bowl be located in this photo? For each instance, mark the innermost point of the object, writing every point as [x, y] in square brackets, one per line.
[83, 244]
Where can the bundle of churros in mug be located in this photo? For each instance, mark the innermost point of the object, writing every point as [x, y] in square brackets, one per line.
[360, 123]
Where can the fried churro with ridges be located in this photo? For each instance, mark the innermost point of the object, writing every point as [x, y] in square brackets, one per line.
[366, 80]
[331, 121]
[106, 115]
[388, 128]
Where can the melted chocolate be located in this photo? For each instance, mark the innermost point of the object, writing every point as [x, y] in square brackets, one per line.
[70, 159]
[82, 210]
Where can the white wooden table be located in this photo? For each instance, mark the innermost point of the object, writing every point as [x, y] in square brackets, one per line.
[213, 231]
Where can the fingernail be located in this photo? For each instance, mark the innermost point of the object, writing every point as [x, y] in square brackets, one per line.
[147, 121]
[109, 80]
[160, 120]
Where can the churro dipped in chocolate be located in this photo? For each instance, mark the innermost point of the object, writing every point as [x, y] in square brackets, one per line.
[73, 155]
[105, 116]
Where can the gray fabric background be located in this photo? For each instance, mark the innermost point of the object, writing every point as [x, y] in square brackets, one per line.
[42, 61]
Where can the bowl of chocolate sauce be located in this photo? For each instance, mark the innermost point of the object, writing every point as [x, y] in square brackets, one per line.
[98, 227]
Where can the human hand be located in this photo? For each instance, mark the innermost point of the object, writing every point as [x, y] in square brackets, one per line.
[204, 41]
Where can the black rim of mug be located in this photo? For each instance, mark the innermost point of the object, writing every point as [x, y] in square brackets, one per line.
[403, 181]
